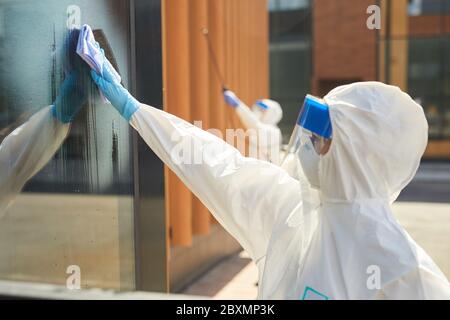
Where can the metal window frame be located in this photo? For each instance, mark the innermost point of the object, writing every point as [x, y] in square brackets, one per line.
[150, 231]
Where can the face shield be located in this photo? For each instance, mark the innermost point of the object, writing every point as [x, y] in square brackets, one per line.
[311, 137]
[313, 127]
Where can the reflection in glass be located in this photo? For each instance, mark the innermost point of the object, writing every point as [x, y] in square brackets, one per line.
[77, 210]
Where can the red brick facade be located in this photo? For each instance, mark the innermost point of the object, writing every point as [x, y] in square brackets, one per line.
[344, 49]
[429, 25]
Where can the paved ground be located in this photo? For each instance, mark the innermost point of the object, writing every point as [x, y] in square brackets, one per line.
[234, 278]
[423, 209]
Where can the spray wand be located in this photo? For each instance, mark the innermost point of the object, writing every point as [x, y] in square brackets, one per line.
[213, 56]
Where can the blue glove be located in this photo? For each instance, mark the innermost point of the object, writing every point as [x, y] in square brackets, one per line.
[72, 93]
[231, 99]
[70, 99]
[119, 97]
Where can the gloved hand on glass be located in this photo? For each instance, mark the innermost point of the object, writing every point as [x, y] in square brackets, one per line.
[113, 90]
[70, 99]
[72, 93]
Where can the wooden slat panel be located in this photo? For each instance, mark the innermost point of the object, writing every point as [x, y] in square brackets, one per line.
[232, 56]
[199, 77]
[216, 34]
[177, 101]
[244, 75]
[238, 31]
[262, 53]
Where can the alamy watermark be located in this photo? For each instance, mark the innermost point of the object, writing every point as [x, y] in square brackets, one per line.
[73, 17]
[193, 146]
[73, 281]
[374, 20]
[374, 279]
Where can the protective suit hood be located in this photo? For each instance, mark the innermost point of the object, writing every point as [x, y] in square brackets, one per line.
[379, 136]
[352, 246]
[273, 113]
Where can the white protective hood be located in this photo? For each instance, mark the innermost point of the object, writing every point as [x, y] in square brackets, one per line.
[357, 249]
[266, 143]
[379, 137]
[274, 113]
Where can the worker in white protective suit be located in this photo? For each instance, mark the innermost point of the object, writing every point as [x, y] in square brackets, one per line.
[265, 138]
[303, 249]
[28, 148]
[262, 119]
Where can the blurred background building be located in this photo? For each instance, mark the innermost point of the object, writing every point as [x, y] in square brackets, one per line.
[318, 45]
[105, 202]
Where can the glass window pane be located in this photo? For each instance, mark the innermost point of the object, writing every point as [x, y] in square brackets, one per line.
[78, 209]
[428, 7]
[290, 57]
[429, 81]
[280, 5]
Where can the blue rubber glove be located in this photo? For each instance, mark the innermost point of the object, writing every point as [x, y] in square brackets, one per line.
[70, 99]
[119, 97]
[231, 99]
[72, 93]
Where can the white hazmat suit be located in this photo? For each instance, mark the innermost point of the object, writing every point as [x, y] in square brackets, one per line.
[379, 136]
[265, 123]
[27, 150]
[262, 119]
[303, 251]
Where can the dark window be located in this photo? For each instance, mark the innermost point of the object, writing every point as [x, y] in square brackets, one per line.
[428, 7]
[429, 81]
[290, 57]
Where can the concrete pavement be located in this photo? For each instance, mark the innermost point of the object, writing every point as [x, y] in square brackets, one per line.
[429, 225]
[233, 278]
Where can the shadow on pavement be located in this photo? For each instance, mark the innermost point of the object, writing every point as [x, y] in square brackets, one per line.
[418, 191]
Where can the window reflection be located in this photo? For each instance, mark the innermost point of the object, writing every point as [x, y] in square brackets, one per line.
[428, 81]
[78, 209]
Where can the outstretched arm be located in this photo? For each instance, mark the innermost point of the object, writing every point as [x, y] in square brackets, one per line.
[31, 146]
[27, 150]
[268, 137]
[245, 195]
[248, 118]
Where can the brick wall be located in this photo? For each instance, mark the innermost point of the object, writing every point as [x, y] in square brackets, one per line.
[429, 25]
[344, 49]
